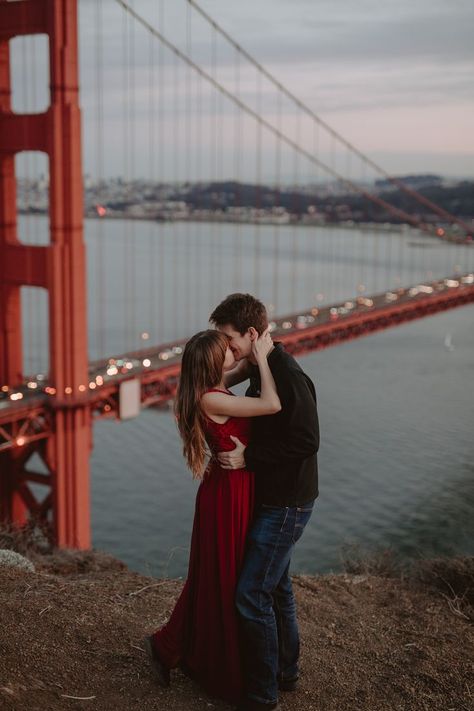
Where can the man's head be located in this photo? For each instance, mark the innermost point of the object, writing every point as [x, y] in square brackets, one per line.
[242, 318]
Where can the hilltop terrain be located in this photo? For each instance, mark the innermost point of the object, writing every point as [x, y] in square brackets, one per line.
[71, 638]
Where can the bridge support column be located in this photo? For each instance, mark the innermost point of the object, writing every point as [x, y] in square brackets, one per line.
[60, 268]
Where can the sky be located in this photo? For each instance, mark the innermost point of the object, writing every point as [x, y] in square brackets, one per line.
[394, 78]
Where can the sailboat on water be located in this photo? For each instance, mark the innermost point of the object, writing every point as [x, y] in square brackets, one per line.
[448, 342]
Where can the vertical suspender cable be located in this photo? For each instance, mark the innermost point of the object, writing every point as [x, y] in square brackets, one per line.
[400, 255]
[125, 187]
[308, 248]
[100, 271]
[332, 255]
[220, 160]
[317, 278]
[237, 251]
[361, 240]
[34, 309]
[152, 236]
[174, 232]
[200, 231]
[346, 237]
[161, 162]
[189, 236]
[215, 246]
[388, 257]
[295, 210]
[26, 182]
[374, 257]
[211, 202]
[196, 146]
[150, 190]
[132, 248]
[427, 251]
[276, 229]
[258, 189]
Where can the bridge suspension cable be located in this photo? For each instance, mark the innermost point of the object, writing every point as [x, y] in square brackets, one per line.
[352, 186]
[309, 112]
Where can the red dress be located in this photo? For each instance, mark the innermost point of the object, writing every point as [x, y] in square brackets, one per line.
[202, 633]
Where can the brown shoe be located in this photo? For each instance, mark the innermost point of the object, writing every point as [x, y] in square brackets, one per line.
[162, 672]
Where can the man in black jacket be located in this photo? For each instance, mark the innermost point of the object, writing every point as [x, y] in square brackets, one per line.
[283, 455]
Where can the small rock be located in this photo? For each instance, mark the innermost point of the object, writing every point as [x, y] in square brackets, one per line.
[357, 579]
[12, 559]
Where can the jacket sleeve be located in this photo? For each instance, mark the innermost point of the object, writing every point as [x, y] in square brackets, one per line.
[299, 425]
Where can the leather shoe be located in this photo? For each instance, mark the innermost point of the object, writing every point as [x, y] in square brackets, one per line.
[251, 705]
[162, 672]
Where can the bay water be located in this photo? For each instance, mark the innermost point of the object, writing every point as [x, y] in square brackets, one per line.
[396, 408]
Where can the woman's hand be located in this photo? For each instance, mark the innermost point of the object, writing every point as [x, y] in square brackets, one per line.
[262, 346]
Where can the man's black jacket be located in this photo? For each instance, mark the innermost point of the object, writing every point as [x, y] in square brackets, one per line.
[283, 447]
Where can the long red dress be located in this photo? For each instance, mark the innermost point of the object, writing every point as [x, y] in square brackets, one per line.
[202, 633]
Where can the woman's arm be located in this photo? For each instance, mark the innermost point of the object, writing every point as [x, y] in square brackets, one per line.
[238, 374]
[268, 403]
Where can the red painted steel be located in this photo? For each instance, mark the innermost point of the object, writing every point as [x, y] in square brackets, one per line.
[373, 320]
[158, 385]
[32, 419]
[60, 268]
[12, 505]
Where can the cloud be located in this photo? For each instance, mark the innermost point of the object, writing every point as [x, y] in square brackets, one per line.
[343, 59]
[388, 87]
[337, 32]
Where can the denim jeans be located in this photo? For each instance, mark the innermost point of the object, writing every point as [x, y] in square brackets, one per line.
[265, 600]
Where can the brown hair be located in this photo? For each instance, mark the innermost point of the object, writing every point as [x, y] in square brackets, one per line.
[241, 311]
[201, 369]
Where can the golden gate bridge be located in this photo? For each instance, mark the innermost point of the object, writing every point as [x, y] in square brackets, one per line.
[204, 123]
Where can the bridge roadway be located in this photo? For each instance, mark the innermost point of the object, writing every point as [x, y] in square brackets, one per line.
[25, 413]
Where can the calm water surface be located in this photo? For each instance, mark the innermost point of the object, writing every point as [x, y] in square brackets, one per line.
[396, 408]
[396, 458]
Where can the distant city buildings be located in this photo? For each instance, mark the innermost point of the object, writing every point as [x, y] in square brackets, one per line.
[229, 201]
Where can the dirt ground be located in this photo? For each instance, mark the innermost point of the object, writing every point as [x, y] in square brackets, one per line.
[74, 628]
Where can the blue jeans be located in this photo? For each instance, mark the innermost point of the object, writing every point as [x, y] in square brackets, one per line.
[265, 600]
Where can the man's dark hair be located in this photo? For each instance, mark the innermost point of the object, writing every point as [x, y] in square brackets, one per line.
[240, 311]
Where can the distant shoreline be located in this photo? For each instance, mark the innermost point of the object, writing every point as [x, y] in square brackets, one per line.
[373, 226]
[387, 227]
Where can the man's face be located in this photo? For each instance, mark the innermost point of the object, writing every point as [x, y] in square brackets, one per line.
[241, 346]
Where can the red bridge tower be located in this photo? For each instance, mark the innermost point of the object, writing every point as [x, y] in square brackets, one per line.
[60, 268]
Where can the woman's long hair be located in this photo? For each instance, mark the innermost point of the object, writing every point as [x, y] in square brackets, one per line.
[201, 369]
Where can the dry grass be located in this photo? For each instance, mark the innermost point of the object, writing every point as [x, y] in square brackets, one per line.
[384, 563]
[454, 579]
[376, 638]
[29, 540]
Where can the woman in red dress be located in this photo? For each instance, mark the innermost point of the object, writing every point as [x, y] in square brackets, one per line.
[202, 635]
